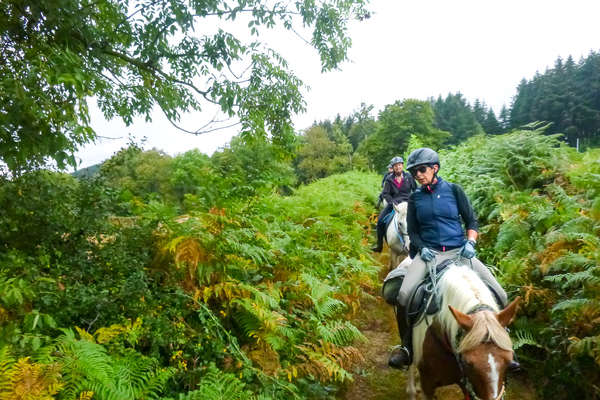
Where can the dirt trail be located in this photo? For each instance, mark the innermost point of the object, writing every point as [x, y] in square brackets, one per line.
[374, 380]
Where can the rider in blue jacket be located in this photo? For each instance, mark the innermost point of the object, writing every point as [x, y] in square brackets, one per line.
[436, 234]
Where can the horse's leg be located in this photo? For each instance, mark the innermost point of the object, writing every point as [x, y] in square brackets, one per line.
[427, 388]
[411, 389]
[389, 239]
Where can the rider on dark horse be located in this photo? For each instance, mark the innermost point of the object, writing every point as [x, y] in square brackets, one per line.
[436, 234]
[397, 186]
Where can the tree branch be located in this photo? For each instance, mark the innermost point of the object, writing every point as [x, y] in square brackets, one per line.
[149, 67]
[200, 130]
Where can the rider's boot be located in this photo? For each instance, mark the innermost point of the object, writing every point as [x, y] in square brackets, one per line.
[379, 247]
[401, 356]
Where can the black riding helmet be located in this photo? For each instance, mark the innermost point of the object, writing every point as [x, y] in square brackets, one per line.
[422, 156]
[396, 160]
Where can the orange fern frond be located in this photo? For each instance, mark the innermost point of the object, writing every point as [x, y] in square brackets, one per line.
[32, 381]
[266, 358]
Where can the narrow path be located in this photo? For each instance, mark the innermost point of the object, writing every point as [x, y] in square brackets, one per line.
[374, 380]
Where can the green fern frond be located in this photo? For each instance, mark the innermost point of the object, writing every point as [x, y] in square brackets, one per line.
[588, 346]
[339, 333]
[570, 262]
[320, 294]
[522, 338]
[86, 366]
[7, 362]
[218, 385]
[573, 304]
[572, 279]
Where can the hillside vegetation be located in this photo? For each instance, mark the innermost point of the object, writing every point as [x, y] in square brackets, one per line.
[199, 277]
[247, 300]
[539, 210]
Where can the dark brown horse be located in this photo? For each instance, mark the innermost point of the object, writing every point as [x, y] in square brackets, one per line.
[466, 342]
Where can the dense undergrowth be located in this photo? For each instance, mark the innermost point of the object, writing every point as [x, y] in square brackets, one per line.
[539, 210]
[246, 299]
[210, 278]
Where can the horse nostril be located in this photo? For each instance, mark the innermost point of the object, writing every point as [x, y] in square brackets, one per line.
[514, 366]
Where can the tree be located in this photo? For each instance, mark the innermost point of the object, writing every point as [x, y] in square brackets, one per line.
[567, 96]
[363, 125]
[144, 174]
[455, 116]
[504, 119]
[479, 111]
[135, 55]
[355, 127]
[397, 122]
[319, 156]
[491, 124]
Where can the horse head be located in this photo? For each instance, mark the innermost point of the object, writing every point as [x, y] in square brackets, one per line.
[485, 352]
[401, 225]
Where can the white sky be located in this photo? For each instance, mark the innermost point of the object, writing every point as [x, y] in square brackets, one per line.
[407, 49]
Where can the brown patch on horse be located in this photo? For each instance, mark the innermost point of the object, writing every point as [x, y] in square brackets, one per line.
[438, 362]
[484, 376]
[486, 349]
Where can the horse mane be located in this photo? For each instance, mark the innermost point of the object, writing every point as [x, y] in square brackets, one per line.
[485, 328]
[464, 290]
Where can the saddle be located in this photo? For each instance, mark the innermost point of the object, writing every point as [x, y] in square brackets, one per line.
[424, 299]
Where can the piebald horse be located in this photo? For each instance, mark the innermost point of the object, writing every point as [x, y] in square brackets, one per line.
[466, 342]
[397, 235]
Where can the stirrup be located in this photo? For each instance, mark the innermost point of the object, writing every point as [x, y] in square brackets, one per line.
[399, 358]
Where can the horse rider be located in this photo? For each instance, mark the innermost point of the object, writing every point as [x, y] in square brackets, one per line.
[390, 171]
[397, 186]
[436, 234]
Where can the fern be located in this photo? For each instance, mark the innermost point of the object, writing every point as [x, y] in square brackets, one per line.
[86, 366]
[589, 346]
[217, 385]
[325, 362]
[7, 371]
[22, 379]
[571, 279]
[339, 333]
[571, 304]
[522, 338]
[320, 295]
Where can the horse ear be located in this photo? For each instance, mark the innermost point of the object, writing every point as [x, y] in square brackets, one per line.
[506, 316]
[465, 321]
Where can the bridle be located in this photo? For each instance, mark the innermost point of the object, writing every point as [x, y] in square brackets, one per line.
[469, 386]
[465, 383]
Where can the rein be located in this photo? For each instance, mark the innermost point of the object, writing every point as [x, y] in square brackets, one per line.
[399, 234]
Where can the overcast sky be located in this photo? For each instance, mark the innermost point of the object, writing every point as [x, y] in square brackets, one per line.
[407, 49]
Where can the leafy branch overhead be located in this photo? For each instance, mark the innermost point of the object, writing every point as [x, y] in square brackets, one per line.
[135, 55]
